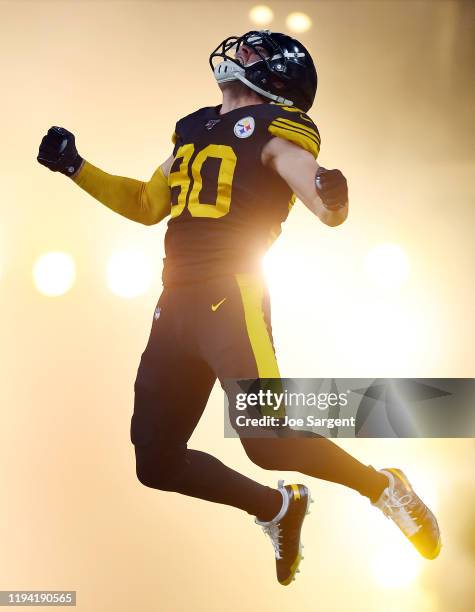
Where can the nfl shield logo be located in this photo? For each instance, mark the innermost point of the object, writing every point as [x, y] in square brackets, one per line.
[209, 125]
[156, 314]
[244, 127]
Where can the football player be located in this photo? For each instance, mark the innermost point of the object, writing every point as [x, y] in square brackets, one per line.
[234, 174]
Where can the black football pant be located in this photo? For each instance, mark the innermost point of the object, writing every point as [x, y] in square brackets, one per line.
[219, 329]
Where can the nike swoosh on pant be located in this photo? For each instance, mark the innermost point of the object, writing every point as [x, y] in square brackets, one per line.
[214, 307]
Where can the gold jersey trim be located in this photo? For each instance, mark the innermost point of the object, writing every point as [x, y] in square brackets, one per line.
[298, 136]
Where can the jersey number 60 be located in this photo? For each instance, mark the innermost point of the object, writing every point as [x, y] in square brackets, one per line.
[190, 188]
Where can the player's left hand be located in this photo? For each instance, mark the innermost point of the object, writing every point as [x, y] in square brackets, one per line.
[332, 188]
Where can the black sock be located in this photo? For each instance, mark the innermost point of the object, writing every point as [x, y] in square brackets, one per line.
[272, 506]
[375, 485]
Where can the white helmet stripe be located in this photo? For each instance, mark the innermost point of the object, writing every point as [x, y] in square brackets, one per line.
[254, 39]
[287, 54]
[290, 54]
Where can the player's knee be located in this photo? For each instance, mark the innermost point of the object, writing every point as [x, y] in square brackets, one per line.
[145, 476]
[154, 477]
[162, 477]
[159, 467]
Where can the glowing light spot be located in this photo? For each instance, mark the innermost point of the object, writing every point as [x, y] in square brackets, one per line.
[129, 273]
[54, 274]
[397, 565]
[287, 276]
[387, 265]
[261, 15]
[298, 22]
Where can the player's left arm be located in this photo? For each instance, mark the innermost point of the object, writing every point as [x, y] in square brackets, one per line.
[324, 192]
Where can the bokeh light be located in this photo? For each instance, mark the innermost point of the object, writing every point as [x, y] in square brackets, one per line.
[54, 273]
[298, 22]
[129, 273]
[387, 265]
[397, 564]
[261, 15]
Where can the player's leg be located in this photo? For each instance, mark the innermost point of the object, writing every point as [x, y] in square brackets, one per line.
[243, 322]
[171, 390]
[238, 344]
[220, 310]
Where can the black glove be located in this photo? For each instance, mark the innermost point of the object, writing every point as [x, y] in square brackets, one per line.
[332, 188]
[58, 152]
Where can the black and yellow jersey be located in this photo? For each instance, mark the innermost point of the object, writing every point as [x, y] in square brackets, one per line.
[227, 207]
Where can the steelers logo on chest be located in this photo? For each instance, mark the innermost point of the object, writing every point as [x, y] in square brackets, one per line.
[244, 127]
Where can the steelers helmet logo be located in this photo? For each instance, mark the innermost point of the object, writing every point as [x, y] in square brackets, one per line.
[244, 127]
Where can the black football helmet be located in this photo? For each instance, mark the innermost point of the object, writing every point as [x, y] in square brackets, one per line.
[285, 72]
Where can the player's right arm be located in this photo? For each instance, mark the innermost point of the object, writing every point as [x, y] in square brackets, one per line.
[144, 202]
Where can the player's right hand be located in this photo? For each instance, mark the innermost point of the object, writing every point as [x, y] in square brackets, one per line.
[58, 152]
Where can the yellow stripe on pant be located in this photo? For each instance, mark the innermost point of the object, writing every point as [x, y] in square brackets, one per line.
[251, 288]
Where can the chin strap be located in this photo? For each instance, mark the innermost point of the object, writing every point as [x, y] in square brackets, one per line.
[227, 71]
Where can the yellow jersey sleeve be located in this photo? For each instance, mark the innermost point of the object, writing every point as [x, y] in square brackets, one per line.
[146, 203]
[294, 125]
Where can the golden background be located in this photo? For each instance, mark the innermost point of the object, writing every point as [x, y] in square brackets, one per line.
[395, 111]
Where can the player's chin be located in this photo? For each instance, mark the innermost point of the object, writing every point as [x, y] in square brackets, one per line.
[235, 86]
[227, 85]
